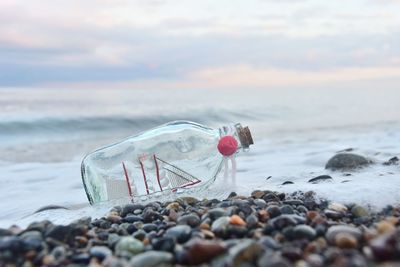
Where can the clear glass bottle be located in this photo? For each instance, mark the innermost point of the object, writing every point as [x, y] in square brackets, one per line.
[174, 158]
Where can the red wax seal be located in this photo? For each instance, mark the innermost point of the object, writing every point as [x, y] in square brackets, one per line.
[227, 145]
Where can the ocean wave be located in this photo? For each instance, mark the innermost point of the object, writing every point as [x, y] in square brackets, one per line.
[67, 125]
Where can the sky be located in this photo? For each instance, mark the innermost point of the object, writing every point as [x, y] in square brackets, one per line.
[198, 44]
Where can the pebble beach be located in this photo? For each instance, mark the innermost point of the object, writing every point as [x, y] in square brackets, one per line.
[264, 229]
[267, 228]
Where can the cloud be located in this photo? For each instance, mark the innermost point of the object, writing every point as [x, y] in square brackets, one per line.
[244, 76]
[118, 41]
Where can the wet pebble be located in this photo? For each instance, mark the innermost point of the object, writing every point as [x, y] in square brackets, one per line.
[252, 221]
[359, 211]
[148, 227]
[200, 251]
[59, 232]
[100, 252]
[258, 194]
[346, 161]
[271, 197]
[220, 224]
[130, 208]
[320, 179]
[345, 241]
[132, 219]
[236, 220]
[384, 247]
[286, 220]
[152, 259]
[286, 209]
[392, 161]
[304, 231]
[217, 213]
[181, 233]
[260, 203]
[163, 244]
[273, 211]
[191, 219]
[337, 207]
[128, 246]
[331, 214]
[150, 215]
[247, 251]
[333, 231]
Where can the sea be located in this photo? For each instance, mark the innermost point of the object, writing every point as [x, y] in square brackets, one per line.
[45, 133]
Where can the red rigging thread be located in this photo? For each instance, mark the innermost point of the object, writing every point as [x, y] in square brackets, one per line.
[177, 174]
[144, 177]
[127, 179]
[158, 172]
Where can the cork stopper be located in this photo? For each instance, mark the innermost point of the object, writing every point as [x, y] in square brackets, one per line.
[245, 136]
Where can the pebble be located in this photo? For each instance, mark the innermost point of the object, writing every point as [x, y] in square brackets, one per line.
[319, 179]
[173, 205]
[130, 208]
[336, 229]
[304, 231]
[59, 232]
[286, 220]
[333, 214]
[151, 259]
[392, 161]
[236, 220]
[346, 161]
[258, 194]
[269, 259]
[384, 247]
[181, 233]
[247, 251]
[217, 213]
[148, 227]
[292, 253]
[293, 202]
[269, 242]
[359, 211]
[200, 251]
[12, 243]
[337, 207]
[163, 244]
[100, 252]
[128, 246]
[346, 241]
[286, 209]
[220, 224]
[271, 197]
[385, 227]
[260, 203]
[189, 200]
[59, 254]
[251, 221]
[114, 218]
[132, 219]
[191, 219]
[50, 207]
[150, 215]
[273, 211]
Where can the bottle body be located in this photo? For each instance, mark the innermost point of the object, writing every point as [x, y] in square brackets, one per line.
[172, 158]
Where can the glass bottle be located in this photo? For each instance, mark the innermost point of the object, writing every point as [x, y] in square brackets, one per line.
[174, 158]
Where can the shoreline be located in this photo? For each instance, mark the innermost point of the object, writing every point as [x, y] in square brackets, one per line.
[264, 229]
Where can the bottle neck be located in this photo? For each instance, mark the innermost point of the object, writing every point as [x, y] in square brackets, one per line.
[240, 133]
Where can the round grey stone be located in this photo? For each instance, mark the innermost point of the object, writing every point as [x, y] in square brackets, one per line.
[346, 161]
